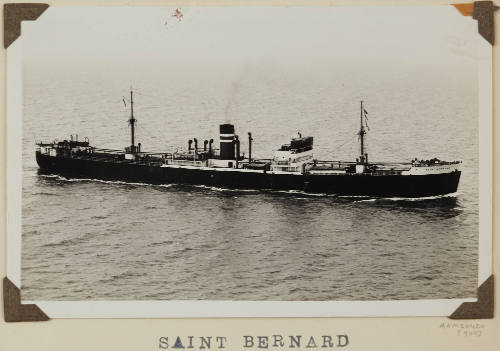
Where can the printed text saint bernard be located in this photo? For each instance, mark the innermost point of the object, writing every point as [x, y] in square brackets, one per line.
[275, 341]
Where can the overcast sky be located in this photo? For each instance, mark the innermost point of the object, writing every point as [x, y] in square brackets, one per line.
[148, 35]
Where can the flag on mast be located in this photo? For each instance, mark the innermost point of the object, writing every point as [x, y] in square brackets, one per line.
[366, 118]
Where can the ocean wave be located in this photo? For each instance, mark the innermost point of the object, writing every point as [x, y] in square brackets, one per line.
[65, 242]
[96, 180]
[422, 277]
[423, 198]
[161, 243]
[50, 176]
[221, 189]
[124, 275]
[44, 193]
[300, 192]
[98, 217]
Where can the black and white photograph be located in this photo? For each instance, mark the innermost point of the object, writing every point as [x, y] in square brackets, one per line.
[219, 153]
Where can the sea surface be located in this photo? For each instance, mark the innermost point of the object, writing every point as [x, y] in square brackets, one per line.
[96, 240]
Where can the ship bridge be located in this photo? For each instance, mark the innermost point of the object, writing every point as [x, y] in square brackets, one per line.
[293, 157]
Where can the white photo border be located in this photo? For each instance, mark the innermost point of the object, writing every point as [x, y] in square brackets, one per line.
[191, 309]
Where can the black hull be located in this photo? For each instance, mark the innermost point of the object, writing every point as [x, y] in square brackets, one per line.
[341, 184]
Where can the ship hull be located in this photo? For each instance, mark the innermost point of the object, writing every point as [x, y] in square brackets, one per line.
[340, 184]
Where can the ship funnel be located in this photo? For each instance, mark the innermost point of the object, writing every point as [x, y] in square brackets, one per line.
[250, 147]
[195, 144]
[226, 138]
[205, 145]
[237, 144]
[190, 142]
[210, 147]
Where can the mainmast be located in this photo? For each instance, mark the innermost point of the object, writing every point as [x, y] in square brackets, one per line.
[362, 132]
[132, 121]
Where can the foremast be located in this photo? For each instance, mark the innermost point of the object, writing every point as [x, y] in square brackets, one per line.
[362, 161]
[132, 150]
[363, 156]
[132, 121]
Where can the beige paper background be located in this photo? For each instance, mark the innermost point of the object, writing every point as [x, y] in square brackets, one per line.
[143, 334]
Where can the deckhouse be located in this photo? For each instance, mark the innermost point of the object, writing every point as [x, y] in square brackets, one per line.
[294, 157]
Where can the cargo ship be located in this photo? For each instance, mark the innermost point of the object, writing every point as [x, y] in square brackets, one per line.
[292, 167]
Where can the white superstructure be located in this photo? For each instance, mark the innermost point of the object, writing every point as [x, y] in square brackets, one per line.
[432, 167]
[294, 157]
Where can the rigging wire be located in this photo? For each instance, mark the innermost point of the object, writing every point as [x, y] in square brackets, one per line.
[142, 128]
[346, 141]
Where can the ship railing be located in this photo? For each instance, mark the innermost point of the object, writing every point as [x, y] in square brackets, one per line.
[332, 164]
[121, 152]
[429, 163]
[159, 154]
[256, 162]
[392, 165]
[301, 149]
[41, 143]
[107, 151]
[328, 164]
[187, 163]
